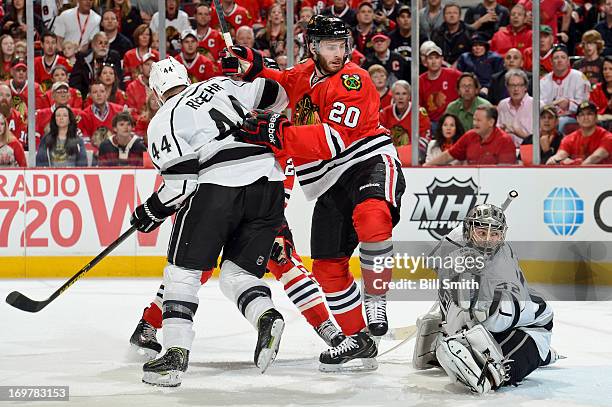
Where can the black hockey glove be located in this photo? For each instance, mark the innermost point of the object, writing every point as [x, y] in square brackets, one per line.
[242, 60]
[264, 128]
[150, 215]
[282, 249]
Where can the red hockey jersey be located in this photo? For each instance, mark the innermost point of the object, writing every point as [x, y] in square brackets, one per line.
[335, 123]
[211, 44]
[42, 72]
[238, 17]
[131, 63]
[400, 126]
[200, 69]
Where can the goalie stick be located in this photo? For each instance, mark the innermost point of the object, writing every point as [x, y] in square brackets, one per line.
[20, 301]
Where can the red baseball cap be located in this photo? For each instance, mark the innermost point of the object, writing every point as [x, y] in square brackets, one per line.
[380, 37]
[19, 63]
[148, 56]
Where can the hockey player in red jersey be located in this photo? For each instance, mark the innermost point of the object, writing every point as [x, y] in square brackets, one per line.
[346, 160]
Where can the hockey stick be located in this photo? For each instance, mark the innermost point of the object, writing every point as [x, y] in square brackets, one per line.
[223, 24]
[20, 301]
[511, 195]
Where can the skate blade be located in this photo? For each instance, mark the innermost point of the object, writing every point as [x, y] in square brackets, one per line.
[171, 378]
[355, 365]
[267, 355]
[143, 353]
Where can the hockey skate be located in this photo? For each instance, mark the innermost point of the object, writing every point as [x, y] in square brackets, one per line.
[376, 312]
[330, 333]
[168, 370]
[144, 340]
[271, 325]
[359, 347]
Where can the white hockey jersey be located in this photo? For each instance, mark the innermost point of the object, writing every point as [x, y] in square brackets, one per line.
[575, 86]
[199, 124]
[502, 292]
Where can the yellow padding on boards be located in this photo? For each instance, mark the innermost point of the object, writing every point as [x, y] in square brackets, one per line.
[536, 271]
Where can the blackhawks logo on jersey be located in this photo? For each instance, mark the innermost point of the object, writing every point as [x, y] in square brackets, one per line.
[306, 112]
[399, 135]
[351, 82]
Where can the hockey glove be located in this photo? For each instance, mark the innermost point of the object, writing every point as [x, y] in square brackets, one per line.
[282, 249]
[242, 60]
[264, 128]
[150, 215]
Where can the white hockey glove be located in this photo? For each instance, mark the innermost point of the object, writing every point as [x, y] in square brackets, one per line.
[473, 358]
[429, 332]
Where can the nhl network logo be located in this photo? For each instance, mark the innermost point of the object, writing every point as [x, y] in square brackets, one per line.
[445, 205]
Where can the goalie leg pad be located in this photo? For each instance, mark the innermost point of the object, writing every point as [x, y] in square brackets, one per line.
[473, 358]
[428, 334]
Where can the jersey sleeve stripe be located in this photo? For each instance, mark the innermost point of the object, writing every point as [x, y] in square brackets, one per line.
[233, 155]
[177, 160]
[184, 188]
[183, 167]
[267, 95]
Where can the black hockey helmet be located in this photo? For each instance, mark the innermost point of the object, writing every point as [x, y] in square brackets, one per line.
[327, 28]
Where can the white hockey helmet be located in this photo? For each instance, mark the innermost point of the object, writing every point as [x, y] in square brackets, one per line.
[167, 74]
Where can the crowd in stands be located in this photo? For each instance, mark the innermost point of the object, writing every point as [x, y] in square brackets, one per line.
[93, 59]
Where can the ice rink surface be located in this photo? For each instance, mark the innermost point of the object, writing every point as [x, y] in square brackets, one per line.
[81, 340]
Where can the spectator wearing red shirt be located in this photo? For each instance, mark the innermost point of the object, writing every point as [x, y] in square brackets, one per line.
[108, 76]
[100, 113]
[61, 97]
[397, 117]
[17, 122]
[138, 89]
[143, 38]
[210, 41]
[547, 40]
[19, 87]
[590, 144]
[142, 123]
[549, 12]
[437, 86]
[44, 65]
[198, 66]
[11, 150]
[516, 35]
[256, 8]
[485, 144]
[235, 16]
[60, 74]
[601, 94]
[380, 78]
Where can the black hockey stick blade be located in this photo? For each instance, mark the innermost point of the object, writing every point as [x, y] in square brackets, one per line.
[20, 301]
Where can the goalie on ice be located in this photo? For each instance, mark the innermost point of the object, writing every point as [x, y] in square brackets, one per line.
[492, 334]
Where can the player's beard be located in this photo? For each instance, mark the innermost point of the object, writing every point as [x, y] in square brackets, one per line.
[331, 68]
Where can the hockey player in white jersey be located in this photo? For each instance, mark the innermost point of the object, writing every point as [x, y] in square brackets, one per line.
[491, 329]
[226, 195]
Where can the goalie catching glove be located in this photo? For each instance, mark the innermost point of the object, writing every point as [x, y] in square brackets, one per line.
[150, 215]
[264, 128]
[241, 60]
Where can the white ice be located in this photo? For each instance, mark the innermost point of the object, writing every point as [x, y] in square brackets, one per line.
[81, 340]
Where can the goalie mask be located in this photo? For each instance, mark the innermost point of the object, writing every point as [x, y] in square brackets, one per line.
[484, 228]
[321, 28]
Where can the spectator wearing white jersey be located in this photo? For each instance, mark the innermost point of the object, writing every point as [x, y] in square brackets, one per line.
[564, 87]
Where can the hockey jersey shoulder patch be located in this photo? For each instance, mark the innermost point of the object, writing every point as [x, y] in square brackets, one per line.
[351, 81]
